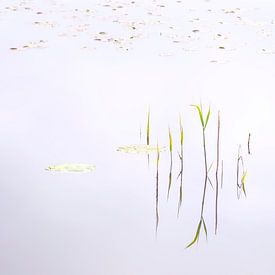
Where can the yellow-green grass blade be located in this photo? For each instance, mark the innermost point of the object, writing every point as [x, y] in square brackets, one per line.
[196, 236]
[207, 118]
[200, 114]
[170, 140]
[243, 180]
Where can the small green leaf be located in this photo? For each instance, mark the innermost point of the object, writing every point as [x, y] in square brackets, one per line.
[181, 132]
[158, 153]
[196, 236]
[243, 180]
[207, 118]
[200, 114]
[170, 141]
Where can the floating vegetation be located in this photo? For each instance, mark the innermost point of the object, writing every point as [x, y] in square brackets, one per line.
[71, 167]
[181, 164]
[141, 149]
[40, 44]
[204, 122]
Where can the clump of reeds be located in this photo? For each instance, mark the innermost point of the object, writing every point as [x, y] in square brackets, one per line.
[204, 123]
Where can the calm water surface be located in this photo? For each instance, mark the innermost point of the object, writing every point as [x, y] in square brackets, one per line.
[72, 95]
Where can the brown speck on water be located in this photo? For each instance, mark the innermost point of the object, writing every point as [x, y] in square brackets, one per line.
[13, 49]
[221, 47]
[39, 12]
[195, 31]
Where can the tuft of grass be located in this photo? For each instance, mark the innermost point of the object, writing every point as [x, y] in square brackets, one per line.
[204, 122]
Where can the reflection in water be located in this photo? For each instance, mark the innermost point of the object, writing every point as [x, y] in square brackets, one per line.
[204, 122]
[248, 144]
[150, 149]
[242, 178]
[217, 172]
[157, 191]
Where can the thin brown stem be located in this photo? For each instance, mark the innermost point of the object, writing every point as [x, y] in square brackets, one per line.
[157, 192]
[206, 174]
[181, 179]
[248, 144]
[217, 172]
[170, 175]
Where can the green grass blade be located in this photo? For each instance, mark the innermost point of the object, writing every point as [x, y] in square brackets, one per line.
[170, 140]
[243, 180]
[196, 236]
[200, 114]
[181, 132]
[207, 118]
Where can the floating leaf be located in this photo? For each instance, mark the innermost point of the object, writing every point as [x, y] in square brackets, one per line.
[71, 167]
[141, 149]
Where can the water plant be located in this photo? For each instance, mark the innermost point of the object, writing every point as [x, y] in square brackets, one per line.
[71, 167]
[181, 164]
[241, 180]
[141, 149]
[171, 161]
[204, 122]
